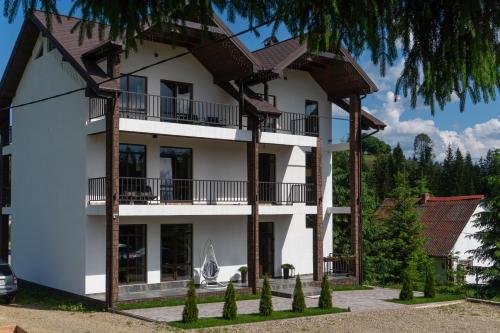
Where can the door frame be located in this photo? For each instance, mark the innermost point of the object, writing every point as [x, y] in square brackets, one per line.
[273, 252]
[145, 271]
[191, 257]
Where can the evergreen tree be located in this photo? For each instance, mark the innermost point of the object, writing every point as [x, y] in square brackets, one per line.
[230, 308]
[190, 312]
[398, 160]
[298, 303]
[406, 292]
[447, 179]
[488, 224]
[422, 150]
[429, 290]
[469, 176]
[458, 173]
[266, 299]
[325, 298]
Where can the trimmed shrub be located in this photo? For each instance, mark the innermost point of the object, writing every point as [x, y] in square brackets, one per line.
[230, 309]
[406, 292]
[325, 298]
[429, 290]
[266, 301]
[299, 303]
[190, 312]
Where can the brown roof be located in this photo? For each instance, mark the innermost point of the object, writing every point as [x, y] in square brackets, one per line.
[443, 220]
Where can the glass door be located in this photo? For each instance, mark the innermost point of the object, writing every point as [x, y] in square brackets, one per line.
[132, 254]
[266, 248]
[267, 177]
[133, 97]
[176, 174]
[176, 252]
[176, 101]
[312, 123]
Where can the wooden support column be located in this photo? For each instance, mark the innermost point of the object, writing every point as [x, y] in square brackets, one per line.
[241, 104]
[112, 186]
[253, 200]
[318, 223]
[4, 182]
[355, 179]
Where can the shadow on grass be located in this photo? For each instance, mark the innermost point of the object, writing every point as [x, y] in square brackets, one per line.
[253, 318]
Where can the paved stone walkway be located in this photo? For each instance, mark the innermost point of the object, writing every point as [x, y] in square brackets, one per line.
[357, 300]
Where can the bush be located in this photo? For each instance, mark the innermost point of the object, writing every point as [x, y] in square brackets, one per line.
[429, 290]
[325, 298]
[230, 309]
[266, 301]
[299, 303]
[243, 269]
[406, 292]
[190, 312]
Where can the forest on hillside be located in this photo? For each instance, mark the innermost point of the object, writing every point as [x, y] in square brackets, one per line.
[386, 172]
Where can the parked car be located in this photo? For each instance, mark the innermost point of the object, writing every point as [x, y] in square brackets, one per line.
[8, 283]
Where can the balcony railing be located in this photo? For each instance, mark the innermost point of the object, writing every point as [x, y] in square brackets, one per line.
[293, 123]
[285, 193]
[209, 192]
[339, 265]
[159, 190]
[169, 109]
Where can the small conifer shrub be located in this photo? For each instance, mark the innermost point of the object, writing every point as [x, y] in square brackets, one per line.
[266, 301]
[299, 303]
[406, 292]
[325, 298]
[190, 312]
[429, 290]
[230, 309]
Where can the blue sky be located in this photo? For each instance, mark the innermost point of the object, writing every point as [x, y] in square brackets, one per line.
[476, 130]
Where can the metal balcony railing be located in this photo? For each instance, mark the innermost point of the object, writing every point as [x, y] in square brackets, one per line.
[285, 193]
[293, 123]
[339, 265]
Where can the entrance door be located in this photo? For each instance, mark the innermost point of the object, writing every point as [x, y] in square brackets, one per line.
[176, 252]
[267, 177]
[132, 253]
[266, 248]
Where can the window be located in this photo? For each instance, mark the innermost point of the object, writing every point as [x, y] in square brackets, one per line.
[132, 160]
[312, 112]
[176, 101]
[310, 218]
[132, 253]
[133, 96]
[176, 173]
[176, 252]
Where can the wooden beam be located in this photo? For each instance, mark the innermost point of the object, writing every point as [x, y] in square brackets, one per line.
[318, 223]
[4, 182]
[112, 186]
[355, 179]
[253, 200]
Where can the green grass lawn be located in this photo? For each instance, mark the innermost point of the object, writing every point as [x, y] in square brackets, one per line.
[350, 287]
[252, 318]
[421, 300]
[32, 296]
[181, 301]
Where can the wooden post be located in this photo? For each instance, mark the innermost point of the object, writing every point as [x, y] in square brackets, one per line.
[112, 186]
[253, 200]
[318, 223]
[355, 179]
[4, 182]
[241, 104]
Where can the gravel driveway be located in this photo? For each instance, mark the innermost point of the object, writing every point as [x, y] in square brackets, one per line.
[464, 317]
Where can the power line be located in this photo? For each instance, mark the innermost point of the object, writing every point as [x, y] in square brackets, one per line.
[69, 92]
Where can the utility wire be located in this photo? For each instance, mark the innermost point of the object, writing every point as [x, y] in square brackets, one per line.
[69, 92]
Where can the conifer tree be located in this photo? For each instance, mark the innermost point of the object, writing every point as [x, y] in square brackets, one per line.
[406, 292]
[230, 308]
[190, 312]
[266, 299]
[429, 290]
[325, 298]
[447, 180]
[458, 173]
[298, 303]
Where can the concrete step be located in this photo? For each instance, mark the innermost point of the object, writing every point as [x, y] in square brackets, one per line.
[288, 293]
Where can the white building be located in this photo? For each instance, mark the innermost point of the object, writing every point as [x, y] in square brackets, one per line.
[221, 145]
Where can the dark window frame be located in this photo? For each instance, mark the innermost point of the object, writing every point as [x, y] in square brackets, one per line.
[310, 218]
[191, 234]
[137, 113]
[311, 119]
[176, 100]
[145, 242]
[145, 157]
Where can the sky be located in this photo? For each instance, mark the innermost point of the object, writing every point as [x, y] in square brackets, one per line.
[475, 130]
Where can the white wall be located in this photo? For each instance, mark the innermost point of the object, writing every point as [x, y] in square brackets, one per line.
[48, 177]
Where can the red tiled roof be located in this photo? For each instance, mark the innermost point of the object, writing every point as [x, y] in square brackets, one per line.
[443, 220]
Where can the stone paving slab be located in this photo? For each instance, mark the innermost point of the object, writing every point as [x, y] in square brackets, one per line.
[357, 300]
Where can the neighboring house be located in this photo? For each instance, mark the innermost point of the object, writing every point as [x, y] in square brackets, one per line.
[123, 182]
[447, 223]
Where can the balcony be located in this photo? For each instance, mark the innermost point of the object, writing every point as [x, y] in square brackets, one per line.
[293, 123]
[339, 265]
[152, 196]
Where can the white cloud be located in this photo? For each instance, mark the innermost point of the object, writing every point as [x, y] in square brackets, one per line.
[476, 140]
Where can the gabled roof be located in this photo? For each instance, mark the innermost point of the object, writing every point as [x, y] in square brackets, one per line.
[443, 219]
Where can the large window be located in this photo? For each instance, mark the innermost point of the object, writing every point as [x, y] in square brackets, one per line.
[176, 252]
[132, 160]
[176, 101]
[176, 173]
[132, 253]
[312, 112]
[133, 96]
